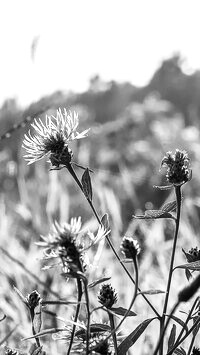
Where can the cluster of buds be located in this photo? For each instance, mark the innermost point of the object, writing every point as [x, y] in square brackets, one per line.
[9, 351]
[107, 296]
[178, 172]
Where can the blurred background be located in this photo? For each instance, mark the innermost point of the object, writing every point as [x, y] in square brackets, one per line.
[131, 69]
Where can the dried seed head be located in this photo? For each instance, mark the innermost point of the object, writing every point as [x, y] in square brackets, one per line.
[130, 247]
[178, 172]
[33, 299]
[107, 296]
[196, 351]
[189, 291]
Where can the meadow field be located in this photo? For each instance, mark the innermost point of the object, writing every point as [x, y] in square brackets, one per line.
[130, 134]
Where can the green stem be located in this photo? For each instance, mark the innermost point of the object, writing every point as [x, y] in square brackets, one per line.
[72, 172]
[164, 329]
[112, 324]
[185, 336]
[80, 292]
[128, 310]
[184, 328]
[88, 317]
[191, 344]
[162, 322]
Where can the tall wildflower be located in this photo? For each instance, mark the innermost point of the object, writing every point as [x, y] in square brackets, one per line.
[178, 172]
[53, 138]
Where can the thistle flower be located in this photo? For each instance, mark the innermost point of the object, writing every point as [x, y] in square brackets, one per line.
[192, 255]
[107, 296]
[52, 138]
[196, 351]
[130, 247]
[178, 172]
[62, 242]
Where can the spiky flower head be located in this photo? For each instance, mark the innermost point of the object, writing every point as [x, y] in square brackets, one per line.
[130, 247]
[192, 255]
[196, 351]
[52, 138]
[178, 172]
[107, 296]
[101, 347]
[63, 242]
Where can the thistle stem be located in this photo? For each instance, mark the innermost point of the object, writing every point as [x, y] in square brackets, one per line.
[80, 293]
[112, 325]
[75, 177]
[184, 328]
[162, 321]
[128, 310]
[88, 317]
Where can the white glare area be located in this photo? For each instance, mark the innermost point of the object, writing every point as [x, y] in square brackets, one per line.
[60, 44]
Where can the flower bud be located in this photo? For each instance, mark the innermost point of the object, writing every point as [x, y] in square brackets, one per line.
[130, 247]
[107, 296]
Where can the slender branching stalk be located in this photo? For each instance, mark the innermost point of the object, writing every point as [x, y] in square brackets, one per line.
[165, 328]
[162, 322]
[185, 324]
[128, 310]
[191, 344]
[112, 325]
[80, 292]
[88, 316]
[75, 177]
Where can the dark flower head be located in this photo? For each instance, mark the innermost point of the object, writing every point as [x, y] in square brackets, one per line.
[107, 296]
[100, 348]
[196, 351]
[130, 247]
[62, 242]
[178, 172]
[192, 255]
[52, 138]
[33, 299]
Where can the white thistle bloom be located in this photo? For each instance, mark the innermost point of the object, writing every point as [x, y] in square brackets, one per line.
[53, 138]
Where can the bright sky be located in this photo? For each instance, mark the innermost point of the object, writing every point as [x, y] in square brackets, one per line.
[75, 39]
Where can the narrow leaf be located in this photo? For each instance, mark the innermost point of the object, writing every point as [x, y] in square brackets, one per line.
[133, 337]
[172, 338]
[37, 320]
[154, 214]
[45, 332]
[121, 311]
[105, 223]
[188, 274]
[99, 281]
[179, 321]
[97, 327]
[169, 206]
[196, 329]
[74, 275]
[150, 292]
[180, 351]
[190, 266]
[87, 185]
[167, 187]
